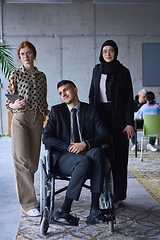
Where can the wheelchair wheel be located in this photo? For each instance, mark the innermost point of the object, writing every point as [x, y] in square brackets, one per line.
[43, 185]
[104, 203]
[106, 200]
[44, 226]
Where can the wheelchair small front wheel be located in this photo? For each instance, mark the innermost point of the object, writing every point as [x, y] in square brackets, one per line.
[44, 226]
[111, 226]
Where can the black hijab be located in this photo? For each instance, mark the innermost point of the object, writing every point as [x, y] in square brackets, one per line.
[111, 67]
[112, 70]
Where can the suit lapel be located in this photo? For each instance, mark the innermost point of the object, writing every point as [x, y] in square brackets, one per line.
[82, 116]
[66, 118]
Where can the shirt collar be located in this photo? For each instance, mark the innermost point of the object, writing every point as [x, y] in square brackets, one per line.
[24, 70]
[77, 107]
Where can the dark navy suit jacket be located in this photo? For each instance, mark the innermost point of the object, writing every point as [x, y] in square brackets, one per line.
[57, 130]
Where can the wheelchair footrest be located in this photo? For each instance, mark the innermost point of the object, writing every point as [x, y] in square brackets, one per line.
[108, 211]
[110, 214]
[56, 217]
[111, 218]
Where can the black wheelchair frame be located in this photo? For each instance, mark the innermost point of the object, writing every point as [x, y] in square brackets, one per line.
[47, 193]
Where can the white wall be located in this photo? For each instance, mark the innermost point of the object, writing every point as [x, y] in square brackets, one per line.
[68, 38]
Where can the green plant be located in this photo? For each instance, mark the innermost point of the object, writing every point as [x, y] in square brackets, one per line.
[6, 59]
[6, 66]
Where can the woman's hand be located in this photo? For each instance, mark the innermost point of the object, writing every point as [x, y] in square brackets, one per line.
[130, 131]
[18, 103]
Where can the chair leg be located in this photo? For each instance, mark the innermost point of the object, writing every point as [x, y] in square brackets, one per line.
[142, 149]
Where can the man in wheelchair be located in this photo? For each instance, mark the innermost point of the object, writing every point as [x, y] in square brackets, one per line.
[76, 137]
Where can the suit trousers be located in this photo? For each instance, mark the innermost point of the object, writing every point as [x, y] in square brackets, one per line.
[26, 132]
[80, 168]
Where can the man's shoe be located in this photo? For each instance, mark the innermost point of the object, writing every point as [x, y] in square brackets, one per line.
[33, 212]
[151, 148]
[63, 218]
[96, 217]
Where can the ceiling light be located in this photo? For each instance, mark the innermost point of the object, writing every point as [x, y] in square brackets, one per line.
[39, 1]
[125, 1]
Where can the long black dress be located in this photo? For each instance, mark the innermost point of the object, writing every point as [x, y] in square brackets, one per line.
[116, 114]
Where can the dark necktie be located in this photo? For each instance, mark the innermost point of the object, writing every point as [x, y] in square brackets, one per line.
[75, 125]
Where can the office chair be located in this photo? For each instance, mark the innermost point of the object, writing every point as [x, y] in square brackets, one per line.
[151, 128]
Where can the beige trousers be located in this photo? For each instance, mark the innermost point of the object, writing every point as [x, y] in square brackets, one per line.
[26, 132]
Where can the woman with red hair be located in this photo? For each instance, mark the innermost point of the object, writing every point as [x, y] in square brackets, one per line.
[29, 112]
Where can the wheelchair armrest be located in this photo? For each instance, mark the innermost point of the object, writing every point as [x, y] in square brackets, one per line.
[49, 160]
[49, 148]
[104, 146]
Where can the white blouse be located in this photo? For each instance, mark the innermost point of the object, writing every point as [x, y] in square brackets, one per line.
[103, 95]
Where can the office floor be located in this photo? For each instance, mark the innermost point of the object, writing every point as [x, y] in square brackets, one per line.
[138, 217]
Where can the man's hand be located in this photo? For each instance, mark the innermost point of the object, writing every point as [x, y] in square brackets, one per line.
[130, 131]
[78, 148]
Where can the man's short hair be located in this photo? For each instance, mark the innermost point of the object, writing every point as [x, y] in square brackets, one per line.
[64, 82]
[142, 91]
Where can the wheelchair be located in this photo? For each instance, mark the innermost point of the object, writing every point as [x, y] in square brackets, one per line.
[47, 193]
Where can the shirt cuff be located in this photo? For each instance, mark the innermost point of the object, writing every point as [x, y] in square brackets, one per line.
[87, 144]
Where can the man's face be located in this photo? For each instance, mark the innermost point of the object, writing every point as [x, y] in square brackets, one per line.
[142, 98]
[68, 93]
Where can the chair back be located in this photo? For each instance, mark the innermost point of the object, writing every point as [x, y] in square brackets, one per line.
[151, 126]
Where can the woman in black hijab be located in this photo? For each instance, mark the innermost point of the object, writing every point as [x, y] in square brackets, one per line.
[112, 94]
